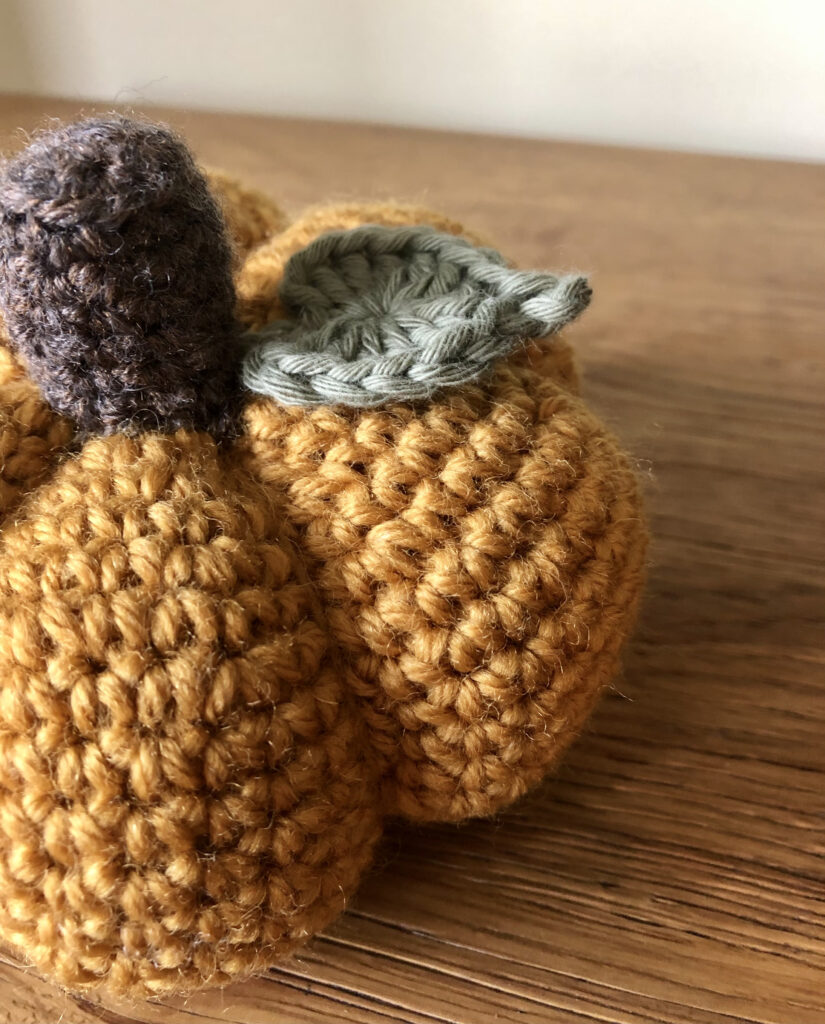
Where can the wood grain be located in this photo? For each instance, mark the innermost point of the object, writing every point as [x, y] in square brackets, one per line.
[673, 871]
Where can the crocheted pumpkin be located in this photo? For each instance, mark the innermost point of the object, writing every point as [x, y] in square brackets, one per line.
[239, 630]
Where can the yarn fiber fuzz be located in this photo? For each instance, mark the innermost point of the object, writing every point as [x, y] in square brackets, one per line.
[225, 665]
[115, 278]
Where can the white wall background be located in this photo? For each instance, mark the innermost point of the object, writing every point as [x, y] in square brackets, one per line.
[737, 76]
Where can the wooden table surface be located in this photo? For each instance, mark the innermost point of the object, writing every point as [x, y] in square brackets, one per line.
[674, 869]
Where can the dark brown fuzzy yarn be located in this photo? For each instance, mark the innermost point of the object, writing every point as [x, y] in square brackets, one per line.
[115, 279]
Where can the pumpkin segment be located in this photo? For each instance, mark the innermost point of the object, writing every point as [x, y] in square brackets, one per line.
[481, 557]
[185, 791]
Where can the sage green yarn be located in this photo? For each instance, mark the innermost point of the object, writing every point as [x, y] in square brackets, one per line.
[384, 314]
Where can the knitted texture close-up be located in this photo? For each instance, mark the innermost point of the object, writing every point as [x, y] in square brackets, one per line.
[399, 313]
[238, 636]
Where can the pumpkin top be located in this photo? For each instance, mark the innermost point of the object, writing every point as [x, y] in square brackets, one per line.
[116, 286]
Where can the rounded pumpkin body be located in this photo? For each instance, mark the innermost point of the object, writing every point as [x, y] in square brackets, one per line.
[224, 664]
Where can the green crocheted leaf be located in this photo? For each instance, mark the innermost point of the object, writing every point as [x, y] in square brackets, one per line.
[383, 314]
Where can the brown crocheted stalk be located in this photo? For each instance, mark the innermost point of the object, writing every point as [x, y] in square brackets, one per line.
[184, 791]
[115, 279]
[481, 559]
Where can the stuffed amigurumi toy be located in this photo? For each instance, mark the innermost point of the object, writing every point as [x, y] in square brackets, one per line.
[303, 527]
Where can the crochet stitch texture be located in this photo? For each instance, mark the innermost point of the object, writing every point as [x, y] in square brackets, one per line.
[115, 278]
[399, 313]
[224, 665]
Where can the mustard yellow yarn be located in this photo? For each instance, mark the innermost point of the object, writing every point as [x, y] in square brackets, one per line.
[251, 217]
[31, 434]
[480, 557]
[222, 668]
[183, 792]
